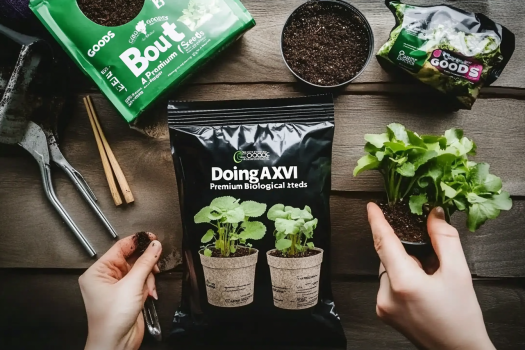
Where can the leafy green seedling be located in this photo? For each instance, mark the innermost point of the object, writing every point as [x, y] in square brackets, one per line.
[293, 228]
[434, 171]
[231, 225]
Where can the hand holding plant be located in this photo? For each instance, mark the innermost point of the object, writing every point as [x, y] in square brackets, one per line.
[293, 228]
[231, 225]
[431, 171]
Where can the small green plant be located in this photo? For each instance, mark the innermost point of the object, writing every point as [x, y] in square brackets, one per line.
[293, 228]
[434, 171]
[231, 225]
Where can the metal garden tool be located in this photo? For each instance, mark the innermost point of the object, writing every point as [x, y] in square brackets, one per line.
[18, 106]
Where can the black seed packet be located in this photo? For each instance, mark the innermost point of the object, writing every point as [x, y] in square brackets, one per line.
[254, 180]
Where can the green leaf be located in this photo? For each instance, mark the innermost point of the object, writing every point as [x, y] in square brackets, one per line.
[234, 215]
[225, 203]
[407, 170]
[474, 198]
[479, 213]
[310, 245]
[283, 244]
[461, 203]
[380, 155]
[378, 140]
[367, 162]
[415, 139]
[453, 135]
[502, 201]
[215, 215]
[416, 203]
[399, 161]
[397, 146]
[252, 230]
[233, 248]
[486, 182]
[492, 184]
[422, 158]
[439, 142]
[289, 227]
[277, 212]
[208, 236]
[203, 215]
[253, 209]
[301, 214]
[308, 209]
[399, 132]
[449, 191]
[207, 252]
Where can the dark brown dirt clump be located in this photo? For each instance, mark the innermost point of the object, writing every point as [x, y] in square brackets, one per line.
[407, 226]
[241, 251]
[305, 254]
[142, 242]
[325, 43]
[111, 13]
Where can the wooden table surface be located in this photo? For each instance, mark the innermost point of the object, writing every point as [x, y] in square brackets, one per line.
[40, 261]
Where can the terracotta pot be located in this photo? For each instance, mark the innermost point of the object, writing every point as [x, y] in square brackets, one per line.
[230, 281]
[295, 281]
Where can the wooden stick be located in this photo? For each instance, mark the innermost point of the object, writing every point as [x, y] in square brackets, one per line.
[124, 187]
[105, 162]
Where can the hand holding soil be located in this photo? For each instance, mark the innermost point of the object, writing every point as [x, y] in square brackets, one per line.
[437, 309]
[114, 290]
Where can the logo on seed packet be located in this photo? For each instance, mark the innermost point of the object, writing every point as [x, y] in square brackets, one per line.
[453, 64]
[141, 28]
[240, 156]
[402, 57]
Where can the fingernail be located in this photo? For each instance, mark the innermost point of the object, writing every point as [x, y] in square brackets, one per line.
[440, 213]
[154, 294]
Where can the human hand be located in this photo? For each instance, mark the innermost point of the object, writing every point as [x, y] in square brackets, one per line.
[114, 290]
[437, 309]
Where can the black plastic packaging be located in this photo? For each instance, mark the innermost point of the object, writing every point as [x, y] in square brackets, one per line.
[293, 132]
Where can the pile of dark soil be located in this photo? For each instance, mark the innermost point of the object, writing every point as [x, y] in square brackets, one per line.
[111, 13]
[305, 254]
[241, 251]
[325, 43]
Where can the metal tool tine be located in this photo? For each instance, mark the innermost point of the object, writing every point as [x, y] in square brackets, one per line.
[77, 179]
[152, 320]
[35, 142]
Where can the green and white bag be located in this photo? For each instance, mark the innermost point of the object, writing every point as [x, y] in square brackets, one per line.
[136, 63]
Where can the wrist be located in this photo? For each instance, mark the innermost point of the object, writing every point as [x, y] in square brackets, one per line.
[98, 342]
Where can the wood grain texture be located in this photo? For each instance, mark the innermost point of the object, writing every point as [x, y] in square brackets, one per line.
[257, 57]
[44, 310]
[146, 160]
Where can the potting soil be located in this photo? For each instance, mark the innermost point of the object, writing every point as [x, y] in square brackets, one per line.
[234, 160]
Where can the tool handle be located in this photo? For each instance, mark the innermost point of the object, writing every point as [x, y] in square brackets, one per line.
[105, 162]
[86, 192]
[48, 187]
[123, 183]
[152, 319]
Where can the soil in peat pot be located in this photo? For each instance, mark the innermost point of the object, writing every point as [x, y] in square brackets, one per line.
[407, 226]
[325, 43]
[241, 251]
[111, 13]
[305, 254]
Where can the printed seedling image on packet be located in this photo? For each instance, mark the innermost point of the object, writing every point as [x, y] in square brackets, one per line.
[134, 64]
[254, 179]
[454, 51]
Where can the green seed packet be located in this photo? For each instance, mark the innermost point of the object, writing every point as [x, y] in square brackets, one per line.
[136, 63]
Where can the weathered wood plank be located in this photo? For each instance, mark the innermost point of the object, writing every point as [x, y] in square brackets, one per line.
[495, 250]
[44, 310]
[257, 57]
[147, 163]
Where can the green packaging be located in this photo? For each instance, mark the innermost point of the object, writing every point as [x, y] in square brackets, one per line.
[136, 63]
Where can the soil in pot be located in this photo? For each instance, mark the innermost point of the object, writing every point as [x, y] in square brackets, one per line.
[295, 280]
[241, 251]
[325, 43]
[407, 226]
[230, 280]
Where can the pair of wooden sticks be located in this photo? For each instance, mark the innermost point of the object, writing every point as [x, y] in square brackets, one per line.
[109, 162]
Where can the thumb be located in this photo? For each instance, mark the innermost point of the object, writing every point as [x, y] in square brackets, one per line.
[445, 241]
[144, 265]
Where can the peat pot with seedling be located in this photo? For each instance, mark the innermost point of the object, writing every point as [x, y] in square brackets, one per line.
[424, 172]
[295, 264]
[227, 259]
